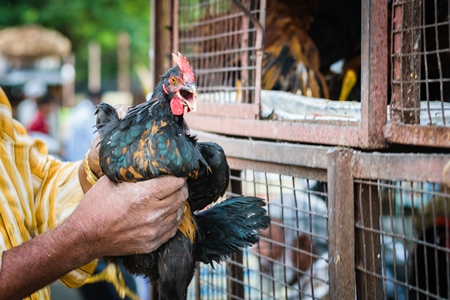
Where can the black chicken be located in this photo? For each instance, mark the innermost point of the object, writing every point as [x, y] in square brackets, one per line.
[151, 141]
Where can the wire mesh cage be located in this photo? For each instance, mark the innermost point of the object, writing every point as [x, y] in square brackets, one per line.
[403, 234]
[291, 258]
[221, 39]
[287, 58]
[278, 51]
[420, 59]
[363, 214]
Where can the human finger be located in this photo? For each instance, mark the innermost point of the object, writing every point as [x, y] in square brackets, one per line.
[162, 187]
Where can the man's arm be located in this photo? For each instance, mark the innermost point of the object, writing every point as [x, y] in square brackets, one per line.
[44, 259]
[112, 219]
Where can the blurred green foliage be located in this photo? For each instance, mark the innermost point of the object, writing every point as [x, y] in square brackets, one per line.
[83, 21]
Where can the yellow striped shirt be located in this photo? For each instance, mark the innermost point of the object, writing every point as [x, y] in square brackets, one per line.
[37, 192]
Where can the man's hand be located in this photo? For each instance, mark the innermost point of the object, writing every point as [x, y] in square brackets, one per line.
[129, 218]
[112, 219]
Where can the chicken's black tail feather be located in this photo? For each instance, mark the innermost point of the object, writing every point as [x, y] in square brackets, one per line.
[229, 226]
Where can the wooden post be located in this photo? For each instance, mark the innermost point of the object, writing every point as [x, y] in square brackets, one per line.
[94, 76]
[235, 286]
[123, 55]
[68, 85]
[157, 39]
[152, 49]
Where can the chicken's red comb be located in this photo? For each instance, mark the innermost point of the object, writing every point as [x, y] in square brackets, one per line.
[185, 67]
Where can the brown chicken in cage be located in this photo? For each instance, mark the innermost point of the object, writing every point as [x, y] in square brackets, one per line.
[317, 34]
[291, 60]
[304, 38]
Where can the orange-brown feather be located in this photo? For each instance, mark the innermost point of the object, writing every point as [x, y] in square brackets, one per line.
[188, 226]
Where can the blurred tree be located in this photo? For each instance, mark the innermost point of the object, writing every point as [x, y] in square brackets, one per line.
[86, 20]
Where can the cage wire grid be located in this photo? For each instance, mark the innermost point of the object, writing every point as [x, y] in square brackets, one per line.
[405, 237]
[419, 81]
[221, 41]
[420, 59]
[271, 269]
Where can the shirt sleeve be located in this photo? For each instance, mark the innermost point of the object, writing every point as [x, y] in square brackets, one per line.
[57, 195]
[38, 193]
[55, 185]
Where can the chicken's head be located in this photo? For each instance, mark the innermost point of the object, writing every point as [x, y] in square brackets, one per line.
[180, 86]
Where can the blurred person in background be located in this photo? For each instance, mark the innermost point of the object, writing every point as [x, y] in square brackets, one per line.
[294, 248]
[80, 127]
[39, 127]
[44, 108]
[33, 90]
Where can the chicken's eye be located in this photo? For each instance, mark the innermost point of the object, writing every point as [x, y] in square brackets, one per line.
[173, 81]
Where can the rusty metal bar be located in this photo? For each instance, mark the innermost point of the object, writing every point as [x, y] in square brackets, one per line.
[259, 45]
[344, 134]
[216, 19]
[281, 153]
[244, 56]
[198, 39]
[341, 225]
[368, 243]
[401, 167]
[375, 165]
[289, 170]
[214, 53]
[236, 286]
[406, 39]
[431, 136]
[374, 73]
[236, 279]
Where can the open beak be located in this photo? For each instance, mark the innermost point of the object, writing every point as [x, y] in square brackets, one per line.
[188, 96]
